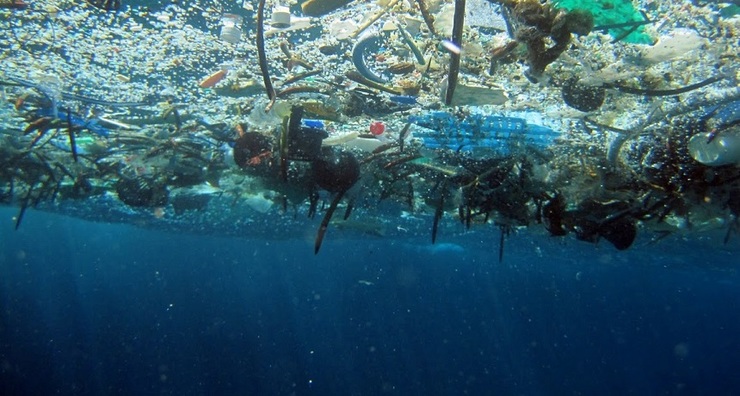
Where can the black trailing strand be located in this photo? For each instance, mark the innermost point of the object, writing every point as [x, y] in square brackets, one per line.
[348, 211]
[634, 24]
[457, 32]
[403, 135]
[438, 216]
[24, 206]
[501, 246]
[107, 5]
[71, 133]
[360, 79]
[325, 221]
[428, 18]
[439, 210]
[664, 92]
[625, 34]
[261, 52]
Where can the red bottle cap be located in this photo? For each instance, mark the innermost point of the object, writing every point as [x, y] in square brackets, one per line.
[377, 128]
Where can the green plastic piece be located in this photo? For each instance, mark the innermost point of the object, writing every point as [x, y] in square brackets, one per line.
[729, 11]
[610, 12]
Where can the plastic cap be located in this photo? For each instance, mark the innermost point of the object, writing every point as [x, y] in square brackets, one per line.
[280, 17]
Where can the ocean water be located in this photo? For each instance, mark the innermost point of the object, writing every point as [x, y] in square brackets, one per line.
[93, 309]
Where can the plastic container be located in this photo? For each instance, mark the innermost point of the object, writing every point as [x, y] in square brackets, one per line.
[442, 130]
[723, 149]
[230, 28]
[302, 143]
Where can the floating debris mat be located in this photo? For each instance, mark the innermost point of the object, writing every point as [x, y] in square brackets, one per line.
[443, 130]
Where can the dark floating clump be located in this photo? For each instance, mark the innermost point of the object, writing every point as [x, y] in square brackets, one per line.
[141, 191]
[252, 149]
[336, 172]
[582, 97]
[620, 233]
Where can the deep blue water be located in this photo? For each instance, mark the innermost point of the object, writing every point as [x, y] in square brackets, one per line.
[95, 309]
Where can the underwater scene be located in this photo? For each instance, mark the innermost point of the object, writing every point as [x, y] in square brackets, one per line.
[334, 197]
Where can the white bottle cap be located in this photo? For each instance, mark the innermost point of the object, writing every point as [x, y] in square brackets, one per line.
[280, 17]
